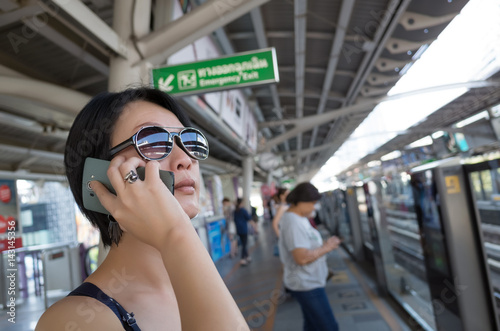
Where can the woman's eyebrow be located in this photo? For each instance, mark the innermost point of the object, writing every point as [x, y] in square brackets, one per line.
[147, 124]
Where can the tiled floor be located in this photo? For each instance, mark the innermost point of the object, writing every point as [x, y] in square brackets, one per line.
[258, 291]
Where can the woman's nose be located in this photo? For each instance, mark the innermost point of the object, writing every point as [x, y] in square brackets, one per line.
[178, 158]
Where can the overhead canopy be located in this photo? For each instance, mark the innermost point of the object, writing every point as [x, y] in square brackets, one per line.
[333, 56]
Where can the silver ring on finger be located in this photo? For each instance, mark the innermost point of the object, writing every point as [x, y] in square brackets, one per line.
[130, 177]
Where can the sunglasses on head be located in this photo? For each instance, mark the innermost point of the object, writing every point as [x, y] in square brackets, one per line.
[156, 143]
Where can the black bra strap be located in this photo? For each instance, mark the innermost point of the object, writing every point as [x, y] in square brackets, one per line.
[90, 290]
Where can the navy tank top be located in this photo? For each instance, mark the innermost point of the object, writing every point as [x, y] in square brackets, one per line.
[90, 290]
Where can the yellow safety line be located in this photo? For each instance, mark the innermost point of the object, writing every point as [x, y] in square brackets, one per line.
[237, 265]
[377, 302]
[268, 326]
[260, 294]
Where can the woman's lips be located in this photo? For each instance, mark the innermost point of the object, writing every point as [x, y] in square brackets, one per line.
[185, 186]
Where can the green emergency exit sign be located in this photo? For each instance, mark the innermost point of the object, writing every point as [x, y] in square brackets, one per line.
[235, 71]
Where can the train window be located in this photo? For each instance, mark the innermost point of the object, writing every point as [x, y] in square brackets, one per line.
[497, 181]
[487, 184]
[364, 218]
[476, 185]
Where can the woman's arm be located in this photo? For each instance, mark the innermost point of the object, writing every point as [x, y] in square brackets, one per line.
[303, 256]
[276, 220]
[281, 210]
[147, 210]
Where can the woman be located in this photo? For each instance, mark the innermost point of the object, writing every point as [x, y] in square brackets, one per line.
[302, 252]
[280, 199]
[157, 274]
[228, 210]
[241, 218]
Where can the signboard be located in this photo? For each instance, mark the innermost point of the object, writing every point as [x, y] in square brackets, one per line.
[218, 239]
[230, 72]
[232, 108]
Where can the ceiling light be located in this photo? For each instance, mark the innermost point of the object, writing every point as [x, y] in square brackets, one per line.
[374, 163]
[472, 119]
[425, 141]
[391, 156]
[437, 134]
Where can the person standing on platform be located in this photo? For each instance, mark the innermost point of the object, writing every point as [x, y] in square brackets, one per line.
[302, 252]
[158, 274]
[241, 219]
[281, 207]
[228, 209]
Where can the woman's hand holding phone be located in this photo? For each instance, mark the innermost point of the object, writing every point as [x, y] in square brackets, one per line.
[146, 209]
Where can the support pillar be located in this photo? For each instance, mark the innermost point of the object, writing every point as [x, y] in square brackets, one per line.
[122, 73]
[247, 180]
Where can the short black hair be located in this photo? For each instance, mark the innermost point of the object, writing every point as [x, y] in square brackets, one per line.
[90, 136]
[277, 196]
[303, 192]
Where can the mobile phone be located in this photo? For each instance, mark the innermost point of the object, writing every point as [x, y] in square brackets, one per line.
[95, 169]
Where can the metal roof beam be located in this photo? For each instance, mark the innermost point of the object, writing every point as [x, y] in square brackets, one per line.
[16, 15]
[308, 122]
[332, 96]
[300, 28]
[203, 20]
[31, 176]
[67, 100]
[258, 25]
[30, 126]
[318, 70]
[69, 46]
[29, 152]
[342, 24]
[390, 21]
[94, 24]
[289, 35]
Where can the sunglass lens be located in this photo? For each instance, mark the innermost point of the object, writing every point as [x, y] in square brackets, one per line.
[195, 143]
[154, 143]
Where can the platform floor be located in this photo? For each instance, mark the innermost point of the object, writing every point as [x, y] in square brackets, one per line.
[258, 291]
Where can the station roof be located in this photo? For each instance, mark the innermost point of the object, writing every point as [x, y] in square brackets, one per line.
[331, 54]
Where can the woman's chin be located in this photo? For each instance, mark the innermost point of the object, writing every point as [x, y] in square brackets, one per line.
[191, 209]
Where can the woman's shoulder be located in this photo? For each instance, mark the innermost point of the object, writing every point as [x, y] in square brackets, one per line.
[78, 313]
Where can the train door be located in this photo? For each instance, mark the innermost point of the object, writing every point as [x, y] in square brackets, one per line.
[341, 214]
[374, 233]
[400, 246]
[484, 184]
[365, 211]
[327, 212]
[454, 267]
[354, 222]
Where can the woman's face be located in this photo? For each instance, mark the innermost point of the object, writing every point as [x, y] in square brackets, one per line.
[306, 208]
[186, 169]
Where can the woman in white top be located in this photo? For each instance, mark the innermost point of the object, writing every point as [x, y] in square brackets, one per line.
[302, 252]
